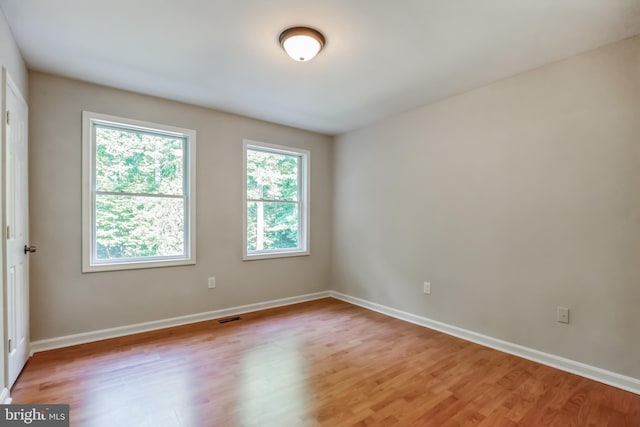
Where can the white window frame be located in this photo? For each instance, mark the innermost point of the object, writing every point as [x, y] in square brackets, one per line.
[89, 261]
[303, 203]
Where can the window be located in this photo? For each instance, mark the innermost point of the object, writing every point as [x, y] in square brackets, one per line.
[138, 198]
[276, 190]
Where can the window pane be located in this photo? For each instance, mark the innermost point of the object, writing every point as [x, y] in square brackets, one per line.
[272, 176]
[137, 162]
[131, 227]
[272, 225]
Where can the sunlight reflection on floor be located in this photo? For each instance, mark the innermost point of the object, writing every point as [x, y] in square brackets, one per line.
[150, 400]
[274, 385]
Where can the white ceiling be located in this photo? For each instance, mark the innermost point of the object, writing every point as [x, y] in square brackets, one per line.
[381, 57]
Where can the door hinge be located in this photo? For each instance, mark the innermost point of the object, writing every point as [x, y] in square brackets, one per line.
[8, 117]
[9, 348]
[8, 232]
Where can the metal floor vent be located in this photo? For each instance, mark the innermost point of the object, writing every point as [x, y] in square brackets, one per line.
[229, 319]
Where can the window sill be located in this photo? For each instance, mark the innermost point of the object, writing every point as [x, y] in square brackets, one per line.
[136, 265]
[252, 257]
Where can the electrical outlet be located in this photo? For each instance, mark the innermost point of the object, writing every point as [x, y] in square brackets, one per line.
[563, 315]
[211, 283]
[427, 288]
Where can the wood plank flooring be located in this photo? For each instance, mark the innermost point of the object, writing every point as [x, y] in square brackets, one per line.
[325, 363]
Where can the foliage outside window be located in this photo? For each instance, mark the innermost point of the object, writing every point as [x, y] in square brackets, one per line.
[276, 207]
[138, 204]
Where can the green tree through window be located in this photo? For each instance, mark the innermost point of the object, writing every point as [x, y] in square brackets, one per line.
[138, 206]
[275, 200]
[139, 194]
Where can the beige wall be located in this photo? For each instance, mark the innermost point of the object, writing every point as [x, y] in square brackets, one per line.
[65, 301]
[511, 199]
[11, 59]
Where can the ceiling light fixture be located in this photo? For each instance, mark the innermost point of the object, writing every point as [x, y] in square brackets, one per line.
[301, 43]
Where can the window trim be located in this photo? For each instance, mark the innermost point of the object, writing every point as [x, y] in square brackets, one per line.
[88, 194]
[305, 197]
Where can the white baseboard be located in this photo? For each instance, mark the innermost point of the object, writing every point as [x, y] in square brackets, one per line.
[69, 340]
[5, 399]
[597, 374]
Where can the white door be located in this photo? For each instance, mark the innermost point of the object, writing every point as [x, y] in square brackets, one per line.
[17, 230]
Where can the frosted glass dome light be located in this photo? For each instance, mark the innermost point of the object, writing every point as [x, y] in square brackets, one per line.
[301, 43]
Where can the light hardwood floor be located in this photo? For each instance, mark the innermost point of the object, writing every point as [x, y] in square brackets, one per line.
[324, 362]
